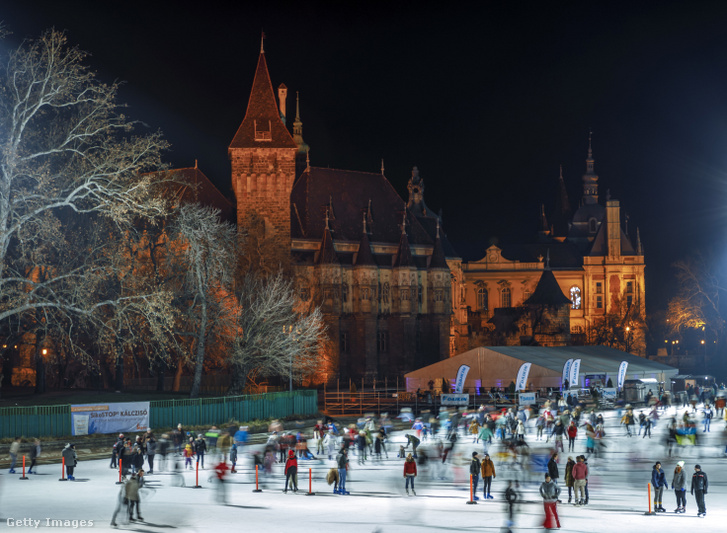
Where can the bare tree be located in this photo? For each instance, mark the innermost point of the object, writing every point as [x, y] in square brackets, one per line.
[202, 248]
[275, 336]
[65, 147]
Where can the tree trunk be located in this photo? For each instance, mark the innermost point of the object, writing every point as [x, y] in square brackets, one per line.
[178, 375]
[199, 359]
[119, 379]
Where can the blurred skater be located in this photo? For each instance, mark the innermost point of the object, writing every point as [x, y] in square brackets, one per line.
[34, 454]
[550, 492]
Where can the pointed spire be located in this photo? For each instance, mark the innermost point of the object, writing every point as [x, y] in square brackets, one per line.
[364, 257]
[590, 150]
[544, 227]
[327, 254]
[403, 222]
[298, 127]
[403, 254]
[327, 226]
[639, 247]
[262, 42]
[548, 292]
[382, 166]
[547, 259]
[307, 159]
[590, 179]
[438, 259]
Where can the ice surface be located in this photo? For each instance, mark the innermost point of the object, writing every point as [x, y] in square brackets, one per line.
[378, 503]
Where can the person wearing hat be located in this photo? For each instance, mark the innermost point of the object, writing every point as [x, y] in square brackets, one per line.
[200, 446]
[488, 472]
[699, 489]
[69, 454]
[291, 472]
[475, 473]
[679, 484]
[410, 472]
[550, 492]
[115, 450]
[658, 481]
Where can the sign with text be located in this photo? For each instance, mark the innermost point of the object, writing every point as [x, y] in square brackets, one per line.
[608, 394]
[455, 399]
[566, 373]
[622, 374]
[461, 376]
[88, 419]
[526, 398]
[522, 377]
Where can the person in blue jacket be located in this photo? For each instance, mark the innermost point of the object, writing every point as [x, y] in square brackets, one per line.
[658, 481]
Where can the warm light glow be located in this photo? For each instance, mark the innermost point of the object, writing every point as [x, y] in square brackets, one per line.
[702, 341]
[45, 351]
[628, 328]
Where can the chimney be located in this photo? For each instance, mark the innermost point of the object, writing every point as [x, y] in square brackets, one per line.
[613, 228]
[282, 95]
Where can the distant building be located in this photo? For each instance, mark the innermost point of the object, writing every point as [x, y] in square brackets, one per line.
[596, 266]
[381, 268]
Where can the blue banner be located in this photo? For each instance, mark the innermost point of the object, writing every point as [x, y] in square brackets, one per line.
[575, 370]
[522, 377]
[622, 374]
[461, 376]
[566, 373]
[87, 419]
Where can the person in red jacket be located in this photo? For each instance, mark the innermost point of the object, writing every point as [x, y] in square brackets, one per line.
[291, 472]
[572, 432]
[221, 470]
[410, 472]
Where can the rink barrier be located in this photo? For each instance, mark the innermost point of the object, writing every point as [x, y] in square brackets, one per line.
[310, 483]
[63, 470]
[55, 420]
[196, 477]
[119, 482]
[24, 476]
[257, 487]
[472, 494]
[648, 489]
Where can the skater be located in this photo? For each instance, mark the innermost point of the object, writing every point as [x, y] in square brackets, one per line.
[69, 454]
[221, 471]
[550, 492]
[580, 474]
[34, 454]
[511, 499]
[553, 468]
[658, 481]
[291, 472]
[233, 458]
[569, 481]
[342, 463]
[188, 454]
[488, 472]
[411, 439]
[708, 414]
[557, 434]
[475, 473]
[361, 447]
[120, 501]
[330, 441]
[151, 449]
[628, 421]
[132, 495]
[200, 447]
[410, 472]
[699, 486]
[14, 449]
[572, 432]
[679, 484]
[115, 451]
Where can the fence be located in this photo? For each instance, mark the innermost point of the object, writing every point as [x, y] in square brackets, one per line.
[55, 420]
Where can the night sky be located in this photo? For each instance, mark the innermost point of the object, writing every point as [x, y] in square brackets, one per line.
[487, 99]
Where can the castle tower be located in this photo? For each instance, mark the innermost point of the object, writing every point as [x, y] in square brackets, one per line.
[301, 156]
[590, 178]
[262, 156]
[366, 302]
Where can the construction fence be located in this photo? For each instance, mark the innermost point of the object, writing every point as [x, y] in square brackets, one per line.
[55, 420]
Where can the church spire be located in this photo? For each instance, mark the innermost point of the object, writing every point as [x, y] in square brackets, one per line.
[438, 259]
[298, 127]
[590, 179]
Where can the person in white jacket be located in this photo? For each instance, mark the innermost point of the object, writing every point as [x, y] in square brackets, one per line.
[330, 441]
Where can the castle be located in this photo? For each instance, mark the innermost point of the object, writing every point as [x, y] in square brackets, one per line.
[395, 294]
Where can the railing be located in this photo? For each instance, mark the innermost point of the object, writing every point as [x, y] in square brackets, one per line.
[55, 420]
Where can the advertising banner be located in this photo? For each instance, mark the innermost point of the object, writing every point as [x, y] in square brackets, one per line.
[575, 371]
[622, 374]
[526, 398]
[88, 419]
[522, 377]
[461, 376]
[455, 399]
[608, 394]
[566, 372]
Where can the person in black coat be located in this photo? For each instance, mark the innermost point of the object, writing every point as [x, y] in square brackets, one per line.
[700, 484]
[200, 446]
[553, 468]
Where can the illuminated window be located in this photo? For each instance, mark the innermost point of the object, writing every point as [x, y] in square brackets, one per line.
[599, 302]
[506, 297]
[482, 299]
[575, 297]
[629, 287]
[263, 135]
[599, 287]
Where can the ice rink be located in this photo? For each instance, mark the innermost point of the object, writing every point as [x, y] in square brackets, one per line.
[378, 503]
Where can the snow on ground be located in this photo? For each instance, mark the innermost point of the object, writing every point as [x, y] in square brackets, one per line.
[377, 503]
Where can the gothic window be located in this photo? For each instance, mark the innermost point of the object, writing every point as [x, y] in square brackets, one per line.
[385, 293]
[599, 301]
[629, 293]
[404, 293]
[421, 293]
[506, 297]
[382, 341]
[344, 342]
[344, 292]
[576, 330]
[482, 303]
[365, 293]
[328, 293]
[592, 225]
[575, 297]
[438, 295]
[599, 287]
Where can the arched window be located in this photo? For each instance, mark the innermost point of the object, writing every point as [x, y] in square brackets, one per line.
[385, 293]
[506, 297]
[575, 297]
[482, 299]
